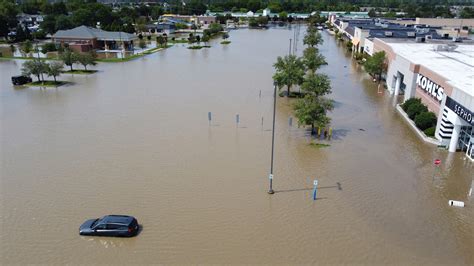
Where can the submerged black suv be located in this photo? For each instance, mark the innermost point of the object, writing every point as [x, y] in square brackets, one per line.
[20, 80]
[110, 225]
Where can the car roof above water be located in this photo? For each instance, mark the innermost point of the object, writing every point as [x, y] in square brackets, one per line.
[117, 219]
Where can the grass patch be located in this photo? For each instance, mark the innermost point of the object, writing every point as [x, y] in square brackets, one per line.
[293, 94]
[197, 47]
[319, 145]
[47, 83]
[79, 71]
[178, 41]
[26, 58]
[225, 42]
[132, 57]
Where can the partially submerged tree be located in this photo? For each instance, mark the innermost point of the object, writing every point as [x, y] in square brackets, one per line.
[375, 65]
[34, 67]
[312, 111]
[55, 69]
[312, 37]
[86, 59]
[160, 40]
[312, 59]
[142, 44]
[26, 47]
[316, 84]
[205, 38]
[191, 38]
[289, 72]
[68, 57]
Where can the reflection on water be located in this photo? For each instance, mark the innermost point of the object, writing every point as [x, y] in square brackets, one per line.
[134, 139]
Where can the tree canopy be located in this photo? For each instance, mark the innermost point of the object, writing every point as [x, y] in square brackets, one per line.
[289, 71]
[375, 65]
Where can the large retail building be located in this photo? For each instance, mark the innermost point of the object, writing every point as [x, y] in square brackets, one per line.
[441, 74]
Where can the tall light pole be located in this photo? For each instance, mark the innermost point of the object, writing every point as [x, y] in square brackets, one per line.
[270, 191]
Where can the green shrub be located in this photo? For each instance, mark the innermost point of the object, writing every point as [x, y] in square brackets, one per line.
[425, 120]
[349, 46]
[430, 131]
[409, 102]
[181, 26]
[416, 109]
[48, 47]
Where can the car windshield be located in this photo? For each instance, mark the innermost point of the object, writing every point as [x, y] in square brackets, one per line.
[94, 223]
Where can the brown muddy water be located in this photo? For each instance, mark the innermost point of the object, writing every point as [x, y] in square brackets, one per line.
[134, 139]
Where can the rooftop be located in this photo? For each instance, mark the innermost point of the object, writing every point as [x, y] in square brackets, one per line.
[84, 32]
[457, 66]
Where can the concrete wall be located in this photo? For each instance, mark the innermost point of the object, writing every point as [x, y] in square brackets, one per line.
[401, 65]
[463, 98]
[368, 47]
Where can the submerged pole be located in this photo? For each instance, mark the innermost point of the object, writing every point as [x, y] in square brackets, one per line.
[315, 189]
[270, 191]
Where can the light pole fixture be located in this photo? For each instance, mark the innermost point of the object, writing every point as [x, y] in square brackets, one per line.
[271, 191]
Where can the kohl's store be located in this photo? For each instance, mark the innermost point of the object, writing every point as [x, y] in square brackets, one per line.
[442, 77]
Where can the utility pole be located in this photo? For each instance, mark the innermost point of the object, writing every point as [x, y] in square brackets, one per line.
[270, 191]
[289, 50]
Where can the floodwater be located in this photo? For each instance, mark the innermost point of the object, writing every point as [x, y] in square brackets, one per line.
[134, 139]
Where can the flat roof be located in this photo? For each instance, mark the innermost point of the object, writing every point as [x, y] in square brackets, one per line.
[457, 67]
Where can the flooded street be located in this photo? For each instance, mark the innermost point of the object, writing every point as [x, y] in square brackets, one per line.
[134, 139]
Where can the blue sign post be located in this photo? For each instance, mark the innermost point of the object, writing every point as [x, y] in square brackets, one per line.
[315, 189]
[237, 119]
[209, 117]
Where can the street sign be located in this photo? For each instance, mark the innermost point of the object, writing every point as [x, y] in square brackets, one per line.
[437, 162]
[270, 176]
[315, 182]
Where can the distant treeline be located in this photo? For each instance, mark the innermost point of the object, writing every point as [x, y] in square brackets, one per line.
[322, 5]
[133, 17]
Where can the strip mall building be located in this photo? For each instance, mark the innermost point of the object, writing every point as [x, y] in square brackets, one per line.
[441, 74]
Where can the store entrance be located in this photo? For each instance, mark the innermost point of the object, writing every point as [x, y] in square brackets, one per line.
[470, 150]
[466, 141]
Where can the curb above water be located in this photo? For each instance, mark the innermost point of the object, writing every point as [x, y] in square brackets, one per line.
[413, 126]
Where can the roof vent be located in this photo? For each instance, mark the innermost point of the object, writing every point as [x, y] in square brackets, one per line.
[446, 47]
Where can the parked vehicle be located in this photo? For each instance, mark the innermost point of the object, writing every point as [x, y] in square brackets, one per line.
[20, 80]
[110, 225]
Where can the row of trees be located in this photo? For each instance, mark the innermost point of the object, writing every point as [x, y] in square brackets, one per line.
[70, 58]
[312, 106]
[40, 68]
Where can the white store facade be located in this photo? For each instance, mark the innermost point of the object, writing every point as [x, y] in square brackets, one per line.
[442, 76]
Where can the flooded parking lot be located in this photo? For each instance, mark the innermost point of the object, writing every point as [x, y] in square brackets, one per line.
[134, 139]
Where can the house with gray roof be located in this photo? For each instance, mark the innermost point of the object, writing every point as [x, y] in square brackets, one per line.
[84, 39]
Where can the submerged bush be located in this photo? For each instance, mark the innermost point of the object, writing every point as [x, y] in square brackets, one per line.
[430, 131]
[409, 102]
[425, 120]
[416, 109]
